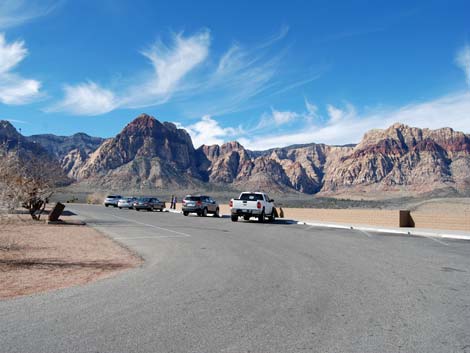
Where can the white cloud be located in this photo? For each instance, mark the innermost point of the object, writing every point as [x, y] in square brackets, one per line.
[11, 54]
[17, 12]
[348, 126]
[242, 76]
[463, 61]
[86, 99]
[337, 115]
[281, 118]
[207, 131]
[312, 109]
[276, 118]
[15, 89]
[170, 63]
[232, 82]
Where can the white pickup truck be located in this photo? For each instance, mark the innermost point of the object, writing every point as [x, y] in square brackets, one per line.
[252, 204]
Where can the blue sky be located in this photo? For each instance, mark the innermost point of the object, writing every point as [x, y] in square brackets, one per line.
[265, 73]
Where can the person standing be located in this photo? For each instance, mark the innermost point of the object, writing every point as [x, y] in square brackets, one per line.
[172, 201]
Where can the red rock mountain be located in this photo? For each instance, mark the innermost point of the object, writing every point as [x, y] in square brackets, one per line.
[149, 154]
[145, 154]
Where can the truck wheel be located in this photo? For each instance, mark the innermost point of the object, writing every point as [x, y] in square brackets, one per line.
[204, 212]
[217, 213]
[272, 217]
[246, 218]
[137, 209]
[106, 205]
[185, 213]
[234, 218]
[261, 217]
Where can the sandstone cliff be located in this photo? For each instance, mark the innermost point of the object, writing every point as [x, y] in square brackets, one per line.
[149, 154]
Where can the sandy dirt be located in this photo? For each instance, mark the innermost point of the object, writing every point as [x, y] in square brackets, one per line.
[37, 257]
[450, 206]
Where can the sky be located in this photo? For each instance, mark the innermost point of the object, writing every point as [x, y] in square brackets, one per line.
[264, 73]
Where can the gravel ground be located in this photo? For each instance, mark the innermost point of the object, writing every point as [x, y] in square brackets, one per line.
[37, 257]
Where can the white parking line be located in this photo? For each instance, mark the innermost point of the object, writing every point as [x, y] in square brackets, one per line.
[438, 241]
[152, 226]
[151, 237]
[366, 233]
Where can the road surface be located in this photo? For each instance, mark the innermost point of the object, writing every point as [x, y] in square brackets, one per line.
[210, 285]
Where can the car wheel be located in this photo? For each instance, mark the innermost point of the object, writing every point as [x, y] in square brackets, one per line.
[137, 209]
[261, 217]
[120, 208]
[234, 218]
[185, 213]
[106, 205]
[246, 218]
[217, 212]
[204, 212]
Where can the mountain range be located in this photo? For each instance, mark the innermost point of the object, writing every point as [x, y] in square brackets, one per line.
[149, 154]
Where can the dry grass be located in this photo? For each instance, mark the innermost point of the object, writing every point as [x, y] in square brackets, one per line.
[37, 257]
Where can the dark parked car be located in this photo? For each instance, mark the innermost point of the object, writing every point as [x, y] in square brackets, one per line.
[149, 204]
[112, 200]
[200, 204]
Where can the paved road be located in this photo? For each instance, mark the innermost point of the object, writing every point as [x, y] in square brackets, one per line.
[210, 285]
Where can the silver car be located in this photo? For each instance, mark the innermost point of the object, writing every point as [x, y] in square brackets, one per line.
[112, 200]
[126, 202]
[202, 205]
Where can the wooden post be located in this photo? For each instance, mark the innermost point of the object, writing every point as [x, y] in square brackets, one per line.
[56, 212]
[405, 219]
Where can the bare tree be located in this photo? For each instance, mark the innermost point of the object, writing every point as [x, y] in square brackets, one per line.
[27, 181]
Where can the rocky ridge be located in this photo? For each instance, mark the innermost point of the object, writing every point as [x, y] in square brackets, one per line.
[151, 154]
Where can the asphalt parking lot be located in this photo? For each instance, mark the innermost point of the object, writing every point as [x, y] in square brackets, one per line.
[211, 285]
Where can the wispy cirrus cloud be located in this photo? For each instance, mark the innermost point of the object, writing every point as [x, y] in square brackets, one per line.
[463, 61]
[170, 62]
[345, 124]
[185, 72]
[15, 89]
[17, 12]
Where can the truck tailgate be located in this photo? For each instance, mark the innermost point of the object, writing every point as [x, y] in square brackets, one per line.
[245, 205]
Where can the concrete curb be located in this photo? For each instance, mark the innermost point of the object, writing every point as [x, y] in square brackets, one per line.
[404, 231]
[172, 211]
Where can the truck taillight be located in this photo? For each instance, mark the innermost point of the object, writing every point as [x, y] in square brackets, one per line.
[199, 203]
[259, 204]
[230, 204]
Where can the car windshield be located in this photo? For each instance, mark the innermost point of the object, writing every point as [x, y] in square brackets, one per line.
[144, 199]
[113, 197]
[251, 197]
[192, 198]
